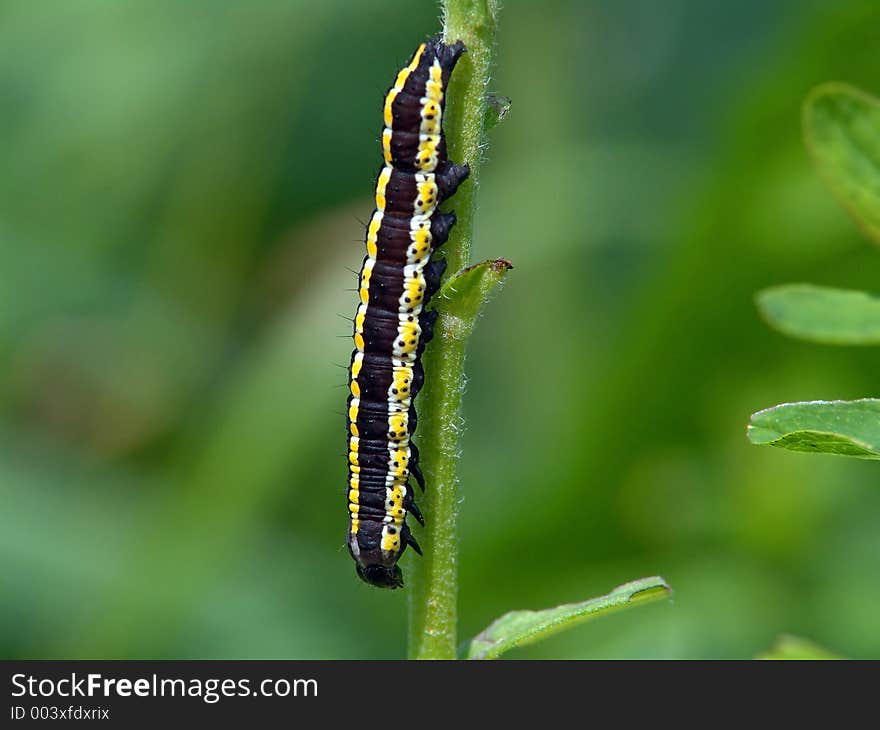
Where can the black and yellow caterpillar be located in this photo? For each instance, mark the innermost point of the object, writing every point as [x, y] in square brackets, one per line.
[392, 324]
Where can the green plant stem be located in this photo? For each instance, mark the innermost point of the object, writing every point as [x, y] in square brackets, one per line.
[475, 23]
[433, 579]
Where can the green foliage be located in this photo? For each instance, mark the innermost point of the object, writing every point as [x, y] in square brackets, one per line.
[842, 133]
[520, 628]
[821, 314]
[845, 428]
[842, 130]
[464, 294]
[788, 647]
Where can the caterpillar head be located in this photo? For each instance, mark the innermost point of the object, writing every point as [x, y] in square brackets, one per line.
[381, 576]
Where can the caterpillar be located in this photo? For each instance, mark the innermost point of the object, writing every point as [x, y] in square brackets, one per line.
[392, 325]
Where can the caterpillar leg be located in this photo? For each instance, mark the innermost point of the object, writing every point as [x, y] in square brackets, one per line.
[418, 379]
[414, 467]
[433, 273]
[449, 176]
[427, 320]
[412, 420]
[410, 506]
[410, 540]
[441, 225]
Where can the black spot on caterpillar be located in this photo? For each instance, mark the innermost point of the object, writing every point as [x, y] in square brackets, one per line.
[392, 325]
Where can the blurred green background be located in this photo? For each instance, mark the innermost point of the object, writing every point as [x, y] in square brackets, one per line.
[182, 190]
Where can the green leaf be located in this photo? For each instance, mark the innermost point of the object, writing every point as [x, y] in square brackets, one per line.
[462, 296]
[794, 647]
[845, 428]
[497, 107]
[842, 132]
[519, 628]
[820, 314]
